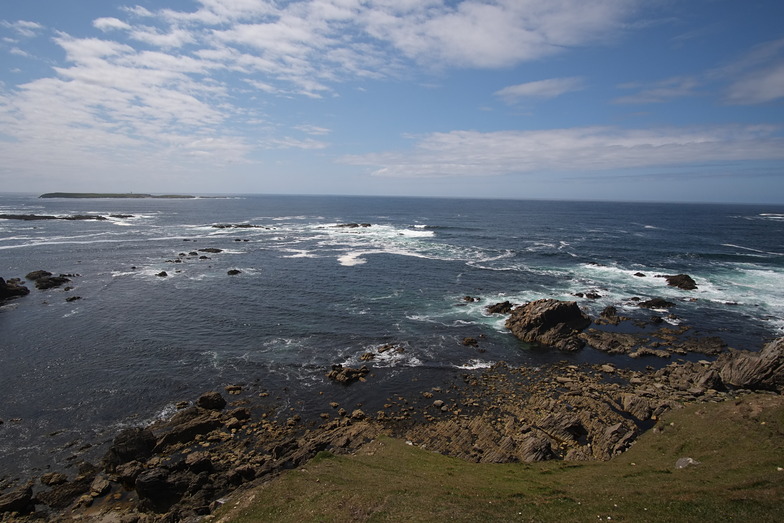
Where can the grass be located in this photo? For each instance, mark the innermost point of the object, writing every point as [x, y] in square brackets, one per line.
[739, 444]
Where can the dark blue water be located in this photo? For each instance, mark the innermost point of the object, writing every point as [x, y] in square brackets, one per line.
[311, 294]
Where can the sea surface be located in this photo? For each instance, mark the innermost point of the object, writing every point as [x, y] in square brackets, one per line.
[311, 294]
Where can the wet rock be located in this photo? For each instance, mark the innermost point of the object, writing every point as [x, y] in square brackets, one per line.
[549, 322]
[682, 281]
[162, 274]
[347, 375]
[470, 342]
[505, 307]
[656, 303]
[46, 280]
[212, 250]
[233, 272]
[211, 401]
[352, 225]
[12, 288]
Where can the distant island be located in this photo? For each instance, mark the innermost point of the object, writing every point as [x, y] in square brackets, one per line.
[110, 195]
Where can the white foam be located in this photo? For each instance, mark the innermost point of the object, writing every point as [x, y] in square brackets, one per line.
[475, 364]
[352, 258]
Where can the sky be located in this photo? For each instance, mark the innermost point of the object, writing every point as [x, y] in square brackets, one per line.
[633, 100]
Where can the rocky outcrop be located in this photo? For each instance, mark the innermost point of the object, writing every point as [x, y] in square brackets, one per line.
[352, 225]
[19, 500]
[12, 288]
[549, 322]
[656, 303]
[505, 307]
[38, 217]
[46, 280]
[347, 375]
[762, 370]
[682, 281]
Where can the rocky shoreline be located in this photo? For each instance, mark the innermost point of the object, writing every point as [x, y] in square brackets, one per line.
[182, 468]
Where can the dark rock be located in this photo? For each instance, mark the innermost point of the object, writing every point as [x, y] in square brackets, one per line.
[133, 444]
[762, 370]
[549, 322]
[505, 307]
[37, 275]
[20, 500]
[212, 250]
[155, 489]
[639, 274]
[73, 298]
[656, 303]
[610, 342]
[12, 288]
[128, 472]
[187, 431]
[63, 495]
[53, 478]
[352, 225]
[51, 282]
[211, 401]
[682, 281]
[233, 272]
[537, 449]
[470, 342]
[162, 274]
[470, 299]
[347, 375]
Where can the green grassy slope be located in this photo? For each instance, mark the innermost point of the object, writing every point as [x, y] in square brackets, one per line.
[739, 444]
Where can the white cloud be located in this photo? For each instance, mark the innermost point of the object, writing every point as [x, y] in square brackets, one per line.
[472, 153]
[23, 28]
[109, 24]
[659, 92]
[543, 89]
[762, 86]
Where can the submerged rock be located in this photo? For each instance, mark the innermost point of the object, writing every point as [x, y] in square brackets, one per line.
[549, 322]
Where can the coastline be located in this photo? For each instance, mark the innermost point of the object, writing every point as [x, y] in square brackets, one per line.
[181, 468]
[88, 195]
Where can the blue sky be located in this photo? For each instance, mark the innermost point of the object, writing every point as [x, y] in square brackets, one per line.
[663, 100]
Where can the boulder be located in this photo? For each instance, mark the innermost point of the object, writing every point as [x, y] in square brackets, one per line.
[156, 490]
[682, 281]
[505, 307]
[12, 288]
[18, 500]
[549, 322]
[133, 444]
[656, 303]
[211, 401]
[347, 375]
[537, 449]
[761, 370]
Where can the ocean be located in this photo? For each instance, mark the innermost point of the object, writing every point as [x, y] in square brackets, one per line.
[311, 293]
